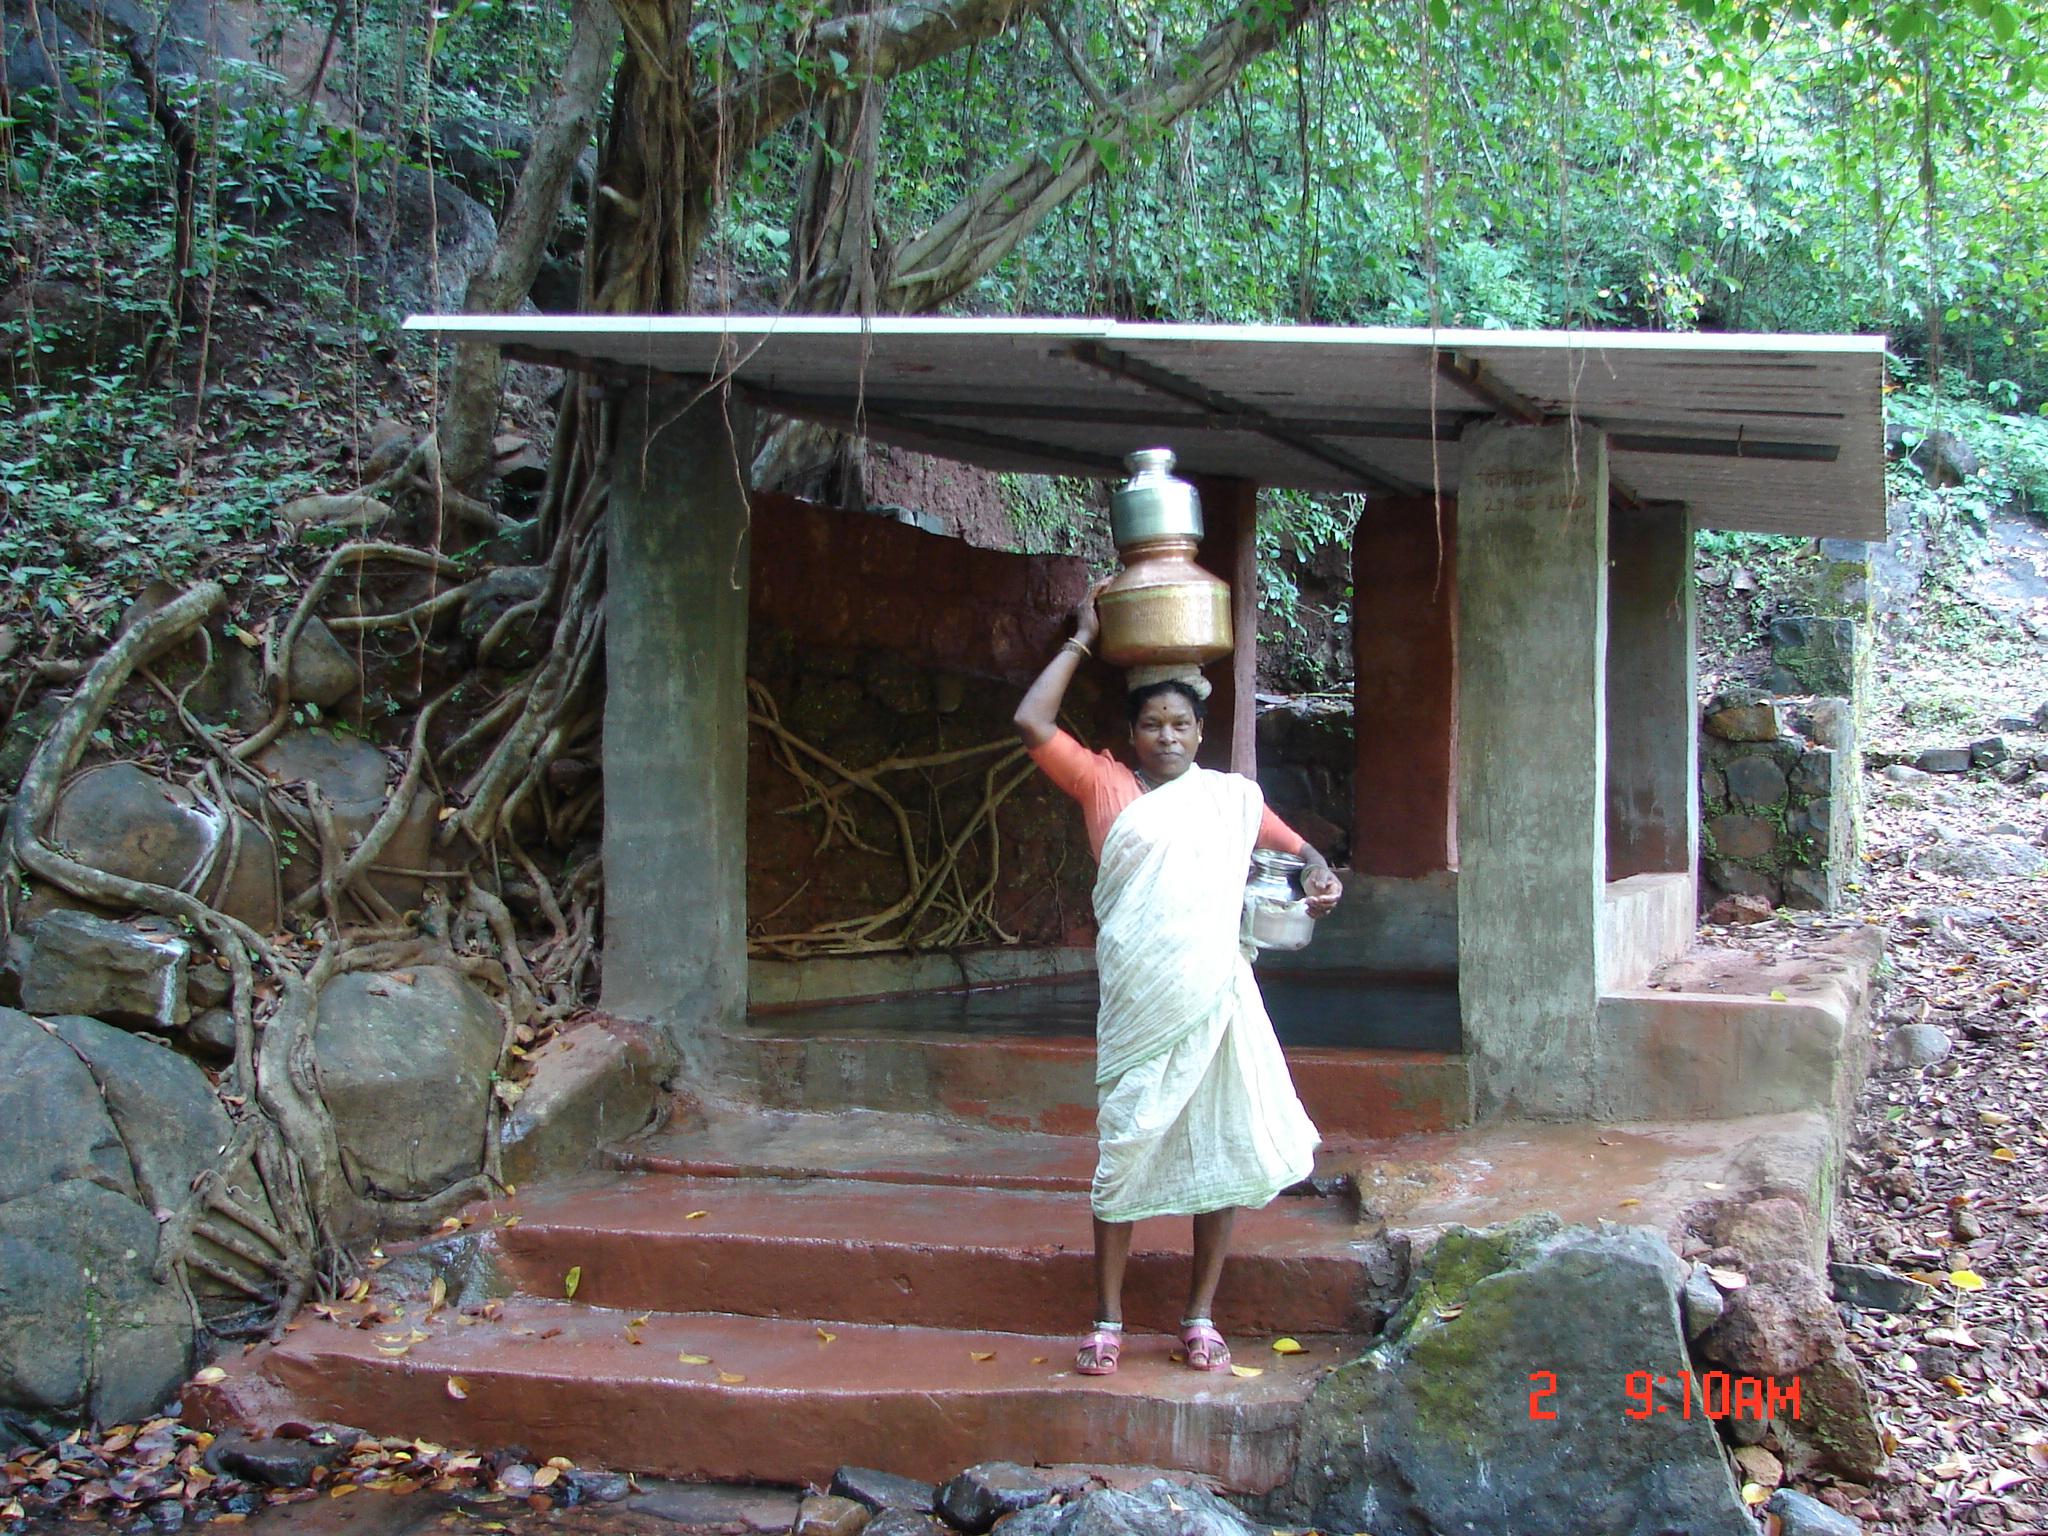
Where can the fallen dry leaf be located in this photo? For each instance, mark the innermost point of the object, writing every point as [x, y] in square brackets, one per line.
[458, 1388]
[1246, 1370]
[696, 1215]
[1289, 1347]
[981, 1354]
[1727, 1279]
[730, 1378]
[571, 1280]
[689, 1359]
[1966, 1280]
[210, 1374]
[826, 1338]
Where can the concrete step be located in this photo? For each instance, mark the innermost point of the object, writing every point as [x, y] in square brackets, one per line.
[1046, 1083]
[923, 1255]
[779, 1402]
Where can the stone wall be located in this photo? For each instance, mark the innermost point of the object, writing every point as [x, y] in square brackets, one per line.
[1776, 795]
[873, 641]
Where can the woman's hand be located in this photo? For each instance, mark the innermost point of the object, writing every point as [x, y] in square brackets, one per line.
[1087, 623]
[1319, 883]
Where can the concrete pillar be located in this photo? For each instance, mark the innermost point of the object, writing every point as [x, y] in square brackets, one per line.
[1532, 812]
[1230, 549]
[1404, 652]
[1653, 805]
[675, 731]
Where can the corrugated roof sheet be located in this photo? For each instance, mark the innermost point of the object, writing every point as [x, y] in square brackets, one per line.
[1772, 434]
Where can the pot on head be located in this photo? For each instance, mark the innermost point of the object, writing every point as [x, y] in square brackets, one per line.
[1161, 608]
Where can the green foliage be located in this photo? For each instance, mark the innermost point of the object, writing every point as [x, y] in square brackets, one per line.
[1050, 513]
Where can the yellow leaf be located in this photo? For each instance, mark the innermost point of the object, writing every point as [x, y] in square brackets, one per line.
[826, 1338]
[451, 1224]
[1632, 1200]
[458, 1388]
[341, 1490]
[1966, 1280]
[394, 1351]
[730, 1379]
[2005, 1154]
[687, 1359]
[1956, 1385]
[1754, 1494]
[1925, 1276]
[1289, 1347]
[546, 1476]
[1727, 1279]
[571, 1280]
[437, 1296]
[1994, 1117]
[1779, 997]
[1038, 1359]
[210, 1374]
[1246, 1370]
[561, 1463]
[981, 1354]
[696, 1215]
[640, 1321]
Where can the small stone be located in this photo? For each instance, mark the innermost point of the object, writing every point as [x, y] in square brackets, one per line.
[1755, 781]
[2016, 772]
[1759, 1466]
[1964, 1225]
[978, 1497]
[207, 985]
[322, 672]
[2014, 722]
[1943, 760]
[1701, 1302]
[827, 1514]
[1743, 719]
[273, 1463]
[1876, 1287]
[1987, 752]
[212, 1030]
[1740, 910]
[597, 1487]
[1800, 1515]
[906, 1522]
[1902, 773]
[1713, 786]
[516, 1479]
[334, 512]
[165, 1515]
[1912, 1046]
[884, 1490]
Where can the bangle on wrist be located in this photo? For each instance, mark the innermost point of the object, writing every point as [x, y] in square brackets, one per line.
[1077, 645]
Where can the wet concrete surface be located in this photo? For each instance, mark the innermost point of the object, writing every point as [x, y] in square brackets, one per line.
[1324, 1010]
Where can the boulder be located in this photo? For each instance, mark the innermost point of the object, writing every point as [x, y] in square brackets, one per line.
[1987, 752]
[83, 1327]
[591, 1085]
[1902, 773]
[273, 1463]
[1943, 760]
[1778, 1324]
[497, 593]
[977, 1498]
[1160, 1508]
[405, 1061]
[54, 1126]
[352, 775]
[1876, 1287]
[1776, 1227]
[881, 1491]
[170, 1120]
[1910, 1047]
[1743, 837]
[1983, 858]
[1800, 1514]
[1740, 910]
[118, 818]
[127, 973]
[1440, 1427]
[826, 1514]
[321, 670]
[1944, 458]
[1835, 1430]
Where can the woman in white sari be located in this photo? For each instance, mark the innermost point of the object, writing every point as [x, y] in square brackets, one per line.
[1196, 1113]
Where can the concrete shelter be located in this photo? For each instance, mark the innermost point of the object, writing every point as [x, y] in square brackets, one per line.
[1523, 601]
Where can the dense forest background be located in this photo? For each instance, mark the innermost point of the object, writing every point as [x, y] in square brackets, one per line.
[197, 191]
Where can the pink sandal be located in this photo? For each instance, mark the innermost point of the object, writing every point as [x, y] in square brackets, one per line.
[1205, 1348]
[1098, 1353]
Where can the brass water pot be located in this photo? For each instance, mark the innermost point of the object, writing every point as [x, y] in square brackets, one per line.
[1161, 609]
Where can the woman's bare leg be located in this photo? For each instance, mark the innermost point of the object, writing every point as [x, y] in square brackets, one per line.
[1212, 1246]
[1112, 1251]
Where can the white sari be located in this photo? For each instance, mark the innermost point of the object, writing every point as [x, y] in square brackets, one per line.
[1196, 1110]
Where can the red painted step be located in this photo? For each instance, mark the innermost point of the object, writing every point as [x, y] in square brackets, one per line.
[779, 1402]
[931, 1256]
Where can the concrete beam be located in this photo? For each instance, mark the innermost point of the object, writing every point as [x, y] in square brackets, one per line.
[1653, 803]
[675, 730]
[1532, 662]
[1230, 549]
[1404, 652]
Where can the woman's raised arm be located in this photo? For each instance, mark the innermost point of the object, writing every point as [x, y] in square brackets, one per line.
[1038, 714]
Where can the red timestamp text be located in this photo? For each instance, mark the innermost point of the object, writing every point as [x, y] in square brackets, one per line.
[1684, 1395]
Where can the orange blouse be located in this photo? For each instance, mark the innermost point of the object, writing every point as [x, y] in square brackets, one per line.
[1104, 786]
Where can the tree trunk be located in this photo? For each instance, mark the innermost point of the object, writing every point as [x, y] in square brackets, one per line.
[470, 418]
